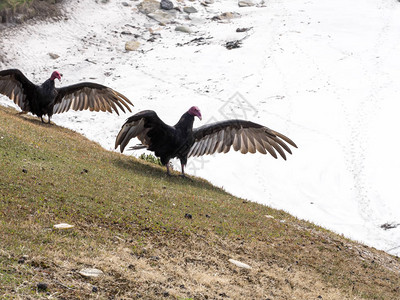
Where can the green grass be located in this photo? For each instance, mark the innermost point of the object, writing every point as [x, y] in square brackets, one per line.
[131, 211]
[13, 3]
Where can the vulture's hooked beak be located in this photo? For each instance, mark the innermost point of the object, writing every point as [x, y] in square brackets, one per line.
[59, 78]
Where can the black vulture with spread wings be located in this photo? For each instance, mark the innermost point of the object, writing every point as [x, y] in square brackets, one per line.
[182, 141]
[46, 99]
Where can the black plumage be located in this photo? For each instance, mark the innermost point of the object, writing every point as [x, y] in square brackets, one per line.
[182, 141]
[46, 99]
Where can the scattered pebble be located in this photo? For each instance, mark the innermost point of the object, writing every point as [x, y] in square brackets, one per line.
[188, 216]
[24, 171]
[183, 29]
[132, 45]
[95, 289]
[53, 55]
[63, 226]
[270, 217]
[42, 287]
[91, 272]
[189, 9]
[244, 29]
[233, 45]
[245, 3]
[166, 4]
[239, 264]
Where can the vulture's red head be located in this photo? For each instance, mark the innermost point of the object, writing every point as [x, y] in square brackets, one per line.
[195, 111]
[55, 75]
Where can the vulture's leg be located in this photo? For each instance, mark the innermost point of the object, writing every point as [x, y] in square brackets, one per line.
[48, 121]
[183, 170]
[167, 165]
[41, 118]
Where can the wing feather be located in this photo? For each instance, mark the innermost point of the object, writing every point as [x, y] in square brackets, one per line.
[17, 87]
[92, 96]
[243, 136]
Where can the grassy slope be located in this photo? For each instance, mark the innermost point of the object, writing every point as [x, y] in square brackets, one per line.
[130, 222]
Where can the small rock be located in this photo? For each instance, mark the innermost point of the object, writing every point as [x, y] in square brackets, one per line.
[270, 217]
[243, 29]
[125, 4]
[21, 260]
[166, 4]
[63, 226]
[162, 17]
[95, 289]
[189, 9]
[388, 226]
[183, 29]
[84, 171]
[245, 3]
[233, 45]
[91, 272]
[132, 45]
[166, 294]
[239, 264]
[42, 287]
[148, 6]
[224, 16]
[188, 216]
[53, 55]
[24, 171]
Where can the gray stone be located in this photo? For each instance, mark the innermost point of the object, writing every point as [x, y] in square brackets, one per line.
[148, 6]
[183, 29]
[53, 55]
[245, 3]
[91, 272]
[162, 17]
[166, 4]
[132, 45]
[239, 264]
[189, 9]
[224, 16]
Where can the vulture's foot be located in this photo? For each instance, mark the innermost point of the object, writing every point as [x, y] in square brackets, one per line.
[184, 176]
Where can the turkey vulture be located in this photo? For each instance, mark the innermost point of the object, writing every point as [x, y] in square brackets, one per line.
[46, 99]
[182, 141]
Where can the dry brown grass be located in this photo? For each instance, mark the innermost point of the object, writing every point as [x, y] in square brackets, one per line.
[129, 222]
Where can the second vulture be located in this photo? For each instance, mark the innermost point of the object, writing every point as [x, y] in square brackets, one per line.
[46, 99]
[182, 141]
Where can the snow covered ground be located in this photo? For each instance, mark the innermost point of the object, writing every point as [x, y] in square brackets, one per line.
[325, 73]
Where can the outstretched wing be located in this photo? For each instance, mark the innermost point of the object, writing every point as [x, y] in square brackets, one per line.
[92, 96]
[148, 128]
[242, 135]
[17, 87]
